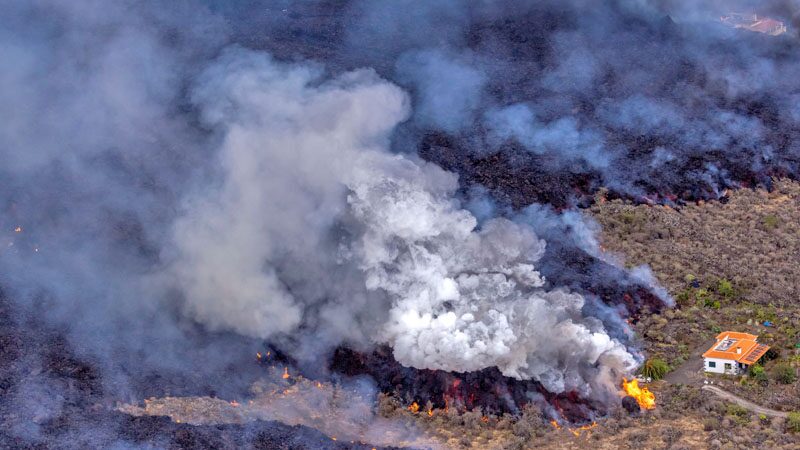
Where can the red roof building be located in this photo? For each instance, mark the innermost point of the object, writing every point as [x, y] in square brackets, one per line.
[733, 353]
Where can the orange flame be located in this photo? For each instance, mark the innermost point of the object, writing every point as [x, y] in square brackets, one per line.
[414, 407]
[258, 355]
[430, 412]
[577, 431]
[319, 385]
[485, 419]
[643, 396]
[555, 424]
[285, 373]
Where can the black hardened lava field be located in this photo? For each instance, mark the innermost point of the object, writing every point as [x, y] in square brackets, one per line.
[253, 212]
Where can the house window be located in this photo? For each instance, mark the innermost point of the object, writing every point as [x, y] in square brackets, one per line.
[712, 364]
[727, 367]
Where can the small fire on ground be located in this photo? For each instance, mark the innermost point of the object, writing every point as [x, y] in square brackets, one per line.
[576, 431]
[643, 396]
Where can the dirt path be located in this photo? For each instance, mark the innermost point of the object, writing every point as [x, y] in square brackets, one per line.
[691, 373]
[743, 403]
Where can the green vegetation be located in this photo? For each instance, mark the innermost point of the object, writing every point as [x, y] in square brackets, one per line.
[629, 217]
[712, 296]
[725, 288]
[784, 373]
[770, 222]
[705, 299]
[700, 297]
[758, 373]
[793, 422]
[655, 368]
[739, 414]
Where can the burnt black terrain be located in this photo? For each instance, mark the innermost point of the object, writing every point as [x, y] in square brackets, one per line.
[77, 413]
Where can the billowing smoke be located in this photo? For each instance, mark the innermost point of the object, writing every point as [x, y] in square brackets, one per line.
[183, 180]
[317, 223]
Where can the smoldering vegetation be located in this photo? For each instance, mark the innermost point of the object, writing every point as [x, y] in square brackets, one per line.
[183, 181]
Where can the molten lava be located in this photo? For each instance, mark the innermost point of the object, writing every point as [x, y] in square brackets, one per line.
[643, 396]
[577, 431]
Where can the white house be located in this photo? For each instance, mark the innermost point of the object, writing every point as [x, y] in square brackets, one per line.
[733, 353]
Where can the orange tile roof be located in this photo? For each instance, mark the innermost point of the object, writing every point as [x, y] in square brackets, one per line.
[736, 335]
[735, 346]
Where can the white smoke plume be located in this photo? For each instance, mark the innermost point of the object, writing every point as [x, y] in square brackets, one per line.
[318, 224]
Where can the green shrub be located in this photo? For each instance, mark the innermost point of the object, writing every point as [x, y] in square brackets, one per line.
[770, 222]
[793, 422]
[684, 297]
[784, 373]
[739, 414]
[758, 373]
[725, 288]
[736, 410]
[628, 217]
[655, 368]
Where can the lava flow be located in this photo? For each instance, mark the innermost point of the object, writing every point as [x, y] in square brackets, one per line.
[643, 396]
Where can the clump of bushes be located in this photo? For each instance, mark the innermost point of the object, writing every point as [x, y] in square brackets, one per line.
[770, 222]
[701, 297]
[758, 373]
[784, 373]
[738, 413]
[725, 288]
[630, 217]
[710, 424]
[793, 422]
[655, 368]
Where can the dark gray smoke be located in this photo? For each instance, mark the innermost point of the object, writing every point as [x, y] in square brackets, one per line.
[185, 179]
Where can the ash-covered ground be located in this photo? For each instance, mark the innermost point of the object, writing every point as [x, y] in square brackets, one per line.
[188, 183]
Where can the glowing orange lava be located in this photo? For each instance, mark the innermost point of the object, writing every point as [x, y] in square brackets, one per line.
[643, 396]
[579, 430]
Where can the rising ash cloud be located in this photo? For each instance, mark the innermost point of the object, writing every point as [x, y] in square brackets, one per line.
[185, 180]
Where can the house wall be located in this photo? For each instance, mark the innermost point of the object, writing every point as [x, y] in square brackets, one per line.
[720, 365]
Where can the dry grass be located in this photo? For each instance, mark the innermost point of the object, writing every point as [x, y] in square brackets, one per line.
[753, 242]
